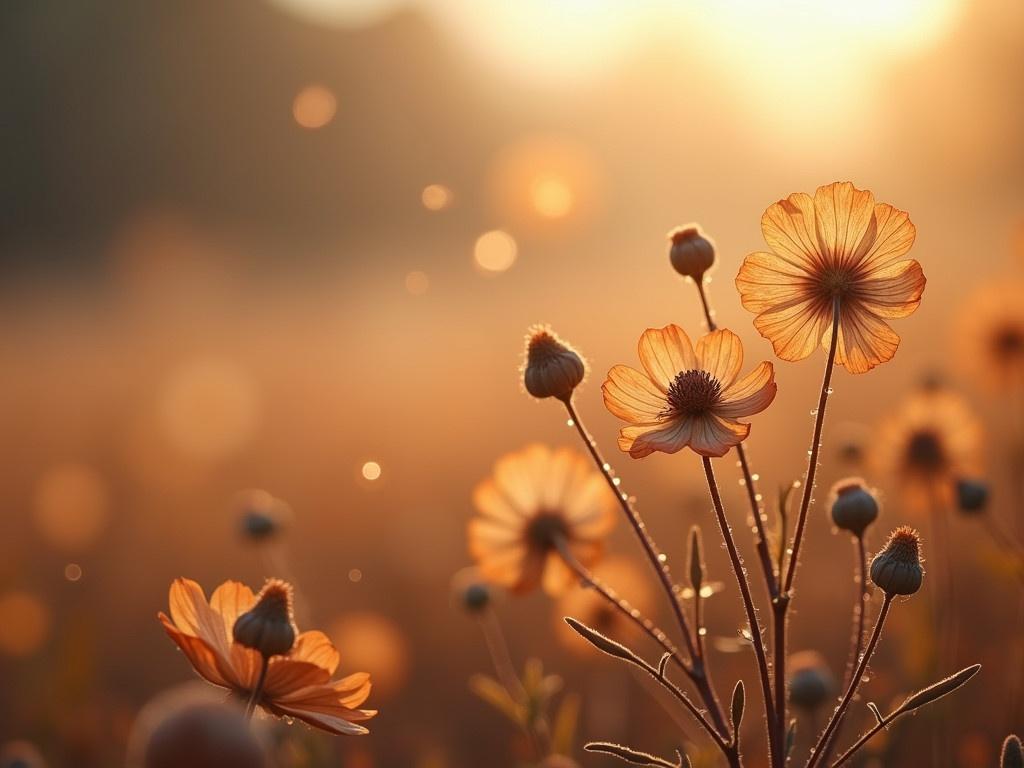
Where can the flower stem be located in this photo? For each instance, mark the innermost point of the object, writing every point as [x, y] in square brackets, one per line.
[696, 669]
[254, 697]
[748, 604]
[818, 752]
[864, 739]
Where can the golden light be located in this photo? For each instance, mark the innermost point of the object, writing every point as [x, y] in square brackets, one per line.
[417, 283]
[209, 409]
[73, 572]
[72, 506]
[341, 13]
[372, 643]
[371, 470]
[314, 106]
[495, 251]
[436, 197]
[551, 196]
[24, 623]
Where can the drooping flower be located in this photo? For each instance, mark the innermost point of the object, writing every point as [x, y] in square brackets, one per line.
[536, 500]
[297, 684]
[839, 245]
[686, 396]
[989, 335]
[925, 445]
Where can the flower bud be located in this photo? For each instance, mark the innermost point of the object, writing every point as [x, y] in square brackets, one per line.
[854, 506]
[1012, 753]
[811, 682]
[692, 253]
[268, 627]
[553, 368]
[971, 496]
[896, 570]
[204, 736]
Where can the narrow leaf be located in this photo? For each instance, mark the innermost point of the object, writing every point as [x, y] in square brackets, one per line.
[696, 561]
[936, 690]
[563, 732]
[603, 643]
[738, 703]
[663, 663]
[630, 755]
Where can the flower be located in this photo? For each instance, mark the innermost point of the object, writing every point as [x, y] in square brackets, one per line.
[839, 245]
[896, 570]
[297, 684]
[536, 500]
[686, 397]
[552, 367]
[989, 335]
[929, 441]
[691, 252]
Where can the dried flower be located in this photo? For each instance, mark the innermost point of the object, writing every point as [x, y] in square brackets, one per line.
[297, 684]
[839, 245]
[692, 253]
[686, 397]
[268, 627]
[971, 496]
[896, 570]
[854, 506]
[811, 682]
[552, 367]
[536, 500]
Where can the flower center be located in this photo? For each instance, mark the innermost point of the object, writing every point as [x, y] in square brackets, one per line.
[545, 529]
[1008, 343]
[692, 393]
[836, 281]
[924, 452]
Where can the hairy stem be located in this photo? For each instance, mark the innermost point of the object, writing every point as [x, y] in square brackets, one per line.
[257, 691]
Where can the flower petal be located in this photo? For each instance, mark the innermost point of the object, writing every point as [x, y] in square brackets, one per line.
[894, 236]
[231, 599]
[865, 340]
[632, 396]
[194, 616]
[894, 291]
[767, 281]
[720, 353]
[493, 505]
[843, 216]
[665, 352]
[285, 676]
[751, 394]
[519, 476]
[200, 655]
[788, 228]
[316, 648]
[557, 575]
[642, 440]
[794, 331]
[713, 436]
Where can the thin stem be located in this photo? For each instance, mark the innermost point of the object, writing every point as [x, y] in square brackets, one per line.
[864, 739]
[254, 697]
[696, 669]
[857, 641]
[748, 605]
[779, 606]
[812, 461]
[817, 753]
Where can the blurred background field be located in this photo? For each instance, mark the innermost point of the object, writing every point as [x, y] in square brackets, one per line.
[295, 244]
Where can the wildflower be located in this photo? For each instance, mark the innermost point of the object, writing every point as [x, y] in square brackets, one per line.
[537, 500]
[552, 367]
[686, 397]
[854, 506]
[838, 246]
[896, 570]
[297, 684]
[928, 442]
[624, 579]
[811, 682]
[971, 496]
[692, 253]
[989, 335]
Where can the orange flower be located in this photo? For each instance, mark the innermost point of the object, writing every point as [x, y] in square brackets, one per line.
[990, 335]
[925, 445]
[297, 684]
[686, 398]
[839, 245]
[536, 500]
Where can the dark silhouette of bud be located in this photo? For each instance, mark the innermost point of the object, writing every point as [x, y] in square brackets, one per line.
[261, 515]
[854, 506]
[971, 496]
[811, 682]
[552, 368]
[204, 736]
[268, 627]
[692, 253]
[1013, 753]
[896, 570]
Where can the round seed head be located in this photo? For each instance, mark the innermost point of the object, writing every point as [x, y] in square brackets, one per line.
[854, 506]
[552, 368]
[896, 570]
[268, 627]
[971, 496]
[691, 252]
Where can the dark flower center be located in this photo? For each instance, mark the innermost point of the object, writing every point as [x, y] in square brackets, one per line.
[692, 393]
[545, 529]
[836, 281]
[925, 452]
[1008, 343]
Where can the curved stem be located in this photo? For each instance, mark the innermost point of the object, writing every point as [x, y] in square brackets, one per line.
[748, 605]
[812, 461]
[254, 697]
[696, 669]
[851, 689]
[864, 739]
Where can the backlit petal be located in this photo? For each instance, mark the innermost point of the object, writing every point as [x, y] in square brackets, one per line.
[865, 340]
[644, 439]
[714, 437]
[794, 331]
[894, 291]
[788, 228]
[843, 216]
[766, 281]
[894, 236]
[632, 396]
[720, 353]
[316, 648]
[665, 352]
[751, 394]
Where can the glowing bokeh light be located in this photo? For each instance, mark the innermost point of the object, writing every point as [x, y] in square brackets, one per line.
[314, 106]
[355, 575]
[371, 470]
[24, 623]
[551, 196]
[436, 197]
[372, 643]
[417, 283]
[495, 251]
[341, 13]
[72, 506]
[73, 572]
